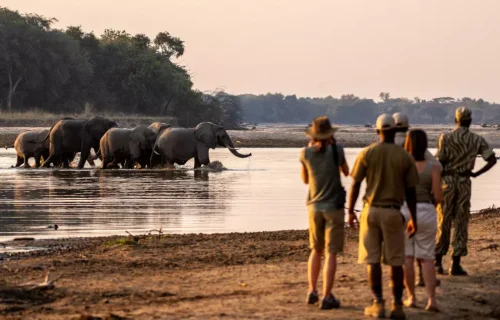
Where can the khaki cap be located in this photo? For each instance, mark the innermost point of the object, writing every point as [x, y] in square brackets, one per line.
[401, 120]
[321, 129]
[385, 122]
[463, 114]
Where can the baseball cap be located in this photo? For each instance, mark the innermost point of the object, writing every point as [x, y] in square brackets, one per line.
[401, 120]
[385, 122]
[463, 114]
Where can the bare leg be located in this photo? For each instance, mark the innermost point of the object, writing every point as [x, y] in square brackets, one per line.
[410, 281]
[430, 283]
[314, 267]
[329, 270]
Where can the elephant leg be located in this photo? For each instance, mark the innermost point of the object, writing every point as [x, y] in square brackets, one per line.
[48, 161]
[38, 156]
[26, 164]
[19, 162]
[170, 165]
[84, 153]
[197, 163]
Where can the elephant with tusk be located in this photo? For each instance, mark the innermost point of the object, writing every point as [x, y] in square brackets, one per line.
[129, 146]
[178, 145]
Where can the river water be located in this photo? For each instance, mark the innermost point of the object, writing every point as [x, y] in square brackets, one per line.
[260, 193]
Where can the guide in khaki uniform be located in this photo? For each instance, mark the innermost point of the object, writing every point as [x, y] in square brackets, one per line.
[391, 177]
[457, 151]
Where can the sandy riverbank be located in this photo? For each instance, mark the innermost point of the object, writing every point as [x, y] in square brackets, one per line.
[228, 276]
[292, 136]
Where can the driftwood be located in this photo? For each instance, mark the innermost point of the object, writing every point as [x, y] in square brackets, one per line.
[136, 239]
[492, 247]
[160, 233]
[45, 285]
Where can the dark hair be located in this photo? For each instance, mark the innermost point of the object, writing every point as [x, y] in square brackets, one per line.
[324, 143]
[416, 144]
[464, 123]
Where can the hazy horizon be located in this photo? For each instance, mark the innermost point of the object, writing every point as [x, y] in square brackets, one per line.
[410, 48]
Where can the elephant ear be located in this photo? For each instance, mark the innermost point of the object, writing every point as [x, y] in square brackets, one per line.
[204, 132]
[97, 127]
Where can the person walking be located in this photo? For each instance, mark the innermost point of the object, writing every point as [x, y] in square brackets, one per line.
[402, 127]
[423, 245]
[457, 152]
[322, 162]
[391, 177]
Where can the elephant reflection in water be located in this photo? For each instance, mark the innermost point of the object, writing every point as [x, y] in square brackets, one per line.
[179, 145]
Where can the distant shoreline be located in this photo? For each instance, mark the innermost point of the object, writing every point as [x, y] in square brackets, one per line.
[291, 136]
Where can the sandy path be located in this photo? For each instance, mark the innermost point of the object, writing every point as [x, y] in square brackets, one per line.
[228, 276]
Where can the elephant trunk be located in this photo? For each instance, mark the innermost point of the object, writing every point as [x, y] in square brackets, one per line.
[228, 143]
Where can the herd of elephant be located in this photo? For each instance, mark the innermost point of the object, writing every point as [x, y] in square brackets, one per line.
[158, 145]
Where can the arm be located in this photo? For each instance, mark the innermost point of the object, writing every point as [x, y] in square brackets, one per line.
[492, 160]
[353, 195]
[411, 201]
[441, 151]
[305, 175]
[436, 184]
[345, 169]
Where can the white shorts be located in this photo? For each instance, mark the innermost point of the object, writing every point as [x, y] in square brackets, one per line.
[423, 243]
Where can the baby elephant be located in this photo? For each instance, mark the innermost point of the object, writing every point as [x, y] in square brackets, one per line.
[127, 146]
[30, 144]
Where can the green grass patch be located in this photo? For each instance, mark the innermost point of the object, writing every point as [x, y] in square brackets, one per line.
[121, 242]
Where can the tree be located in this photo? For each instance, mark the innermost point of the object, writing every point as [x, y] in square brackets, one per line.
[168, 45]
[385, 96]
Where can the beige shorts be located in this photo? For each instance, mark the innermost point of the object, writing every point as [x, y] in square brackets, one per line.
[423, 244]
[381, 235]
[326, 230]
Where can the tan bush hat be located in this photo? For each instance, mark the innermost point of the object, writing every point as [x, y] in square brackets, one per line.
[401, 120]
[321, 129]
[385, 122]
[463, 114]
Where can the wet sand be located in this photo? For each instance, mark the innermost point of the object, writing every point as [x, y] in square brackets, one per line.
[292, 136]
[243, 275]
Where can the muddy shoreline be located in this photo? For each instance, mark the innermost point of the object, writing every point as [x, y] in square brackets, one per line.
[210, 276]
[292, 136]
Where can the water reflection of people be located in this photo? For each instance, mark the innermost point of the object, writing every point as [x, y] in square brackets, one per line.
[321, 165]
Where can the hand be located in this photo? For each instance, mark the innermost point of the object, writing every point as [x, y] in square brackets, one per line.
[411, 229]
[353, 220]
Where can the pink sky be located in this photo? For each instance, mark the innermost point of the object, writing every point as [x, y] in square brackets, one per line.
[424, 48]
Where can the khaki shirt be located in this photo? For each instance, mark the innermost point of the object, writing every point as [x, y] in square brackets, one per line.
[389, 170]
[458, 150]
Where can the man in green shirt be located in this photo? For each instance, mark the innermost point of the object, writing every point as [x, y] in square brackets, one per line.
[391, 177]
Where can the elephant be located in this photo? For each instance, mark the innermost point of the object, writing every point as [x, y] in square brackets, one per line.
[129, 146]
[178, 145]
[29, 144]
[69, 136]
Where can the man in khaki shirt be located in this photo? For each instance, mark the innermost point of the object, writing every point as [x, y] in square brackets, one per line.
[391, 177]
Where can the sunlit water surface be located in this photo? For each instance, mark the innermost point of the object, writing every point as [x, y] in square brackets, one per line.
[263, 192]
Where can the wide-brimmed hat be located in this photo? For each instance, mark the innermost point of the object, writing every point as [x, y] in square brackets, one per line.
[321, 129]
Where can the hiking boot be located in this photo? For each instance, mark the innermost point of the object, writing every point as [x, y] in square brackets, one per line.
[329, 303]
[312, 297]
[397, 312]
[376, 310]
[457, 270]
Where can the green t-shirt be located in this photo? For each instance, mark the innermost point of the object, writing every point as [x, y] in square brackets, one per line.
[388, 170]
[324, 177]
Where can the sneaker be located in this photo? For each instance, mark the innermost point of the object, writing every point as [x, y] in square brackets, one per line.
[376, 310]
[312, 297]
[457, 270]
[330, 303]
[397, 312]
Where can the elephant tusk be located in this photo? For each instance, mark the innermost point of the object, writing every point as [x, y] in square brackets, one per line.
[156, 152]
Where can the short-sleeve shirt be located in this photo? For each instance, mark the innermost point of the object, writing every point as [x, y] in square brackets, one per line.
[458, 150]
[389, 170]
[324, 176]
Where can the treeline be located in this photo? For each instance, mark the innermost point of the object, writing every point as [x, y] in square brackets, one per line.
[350, 109]
[62, 71]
